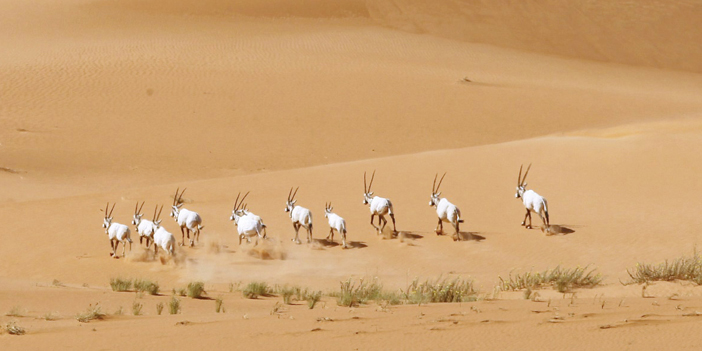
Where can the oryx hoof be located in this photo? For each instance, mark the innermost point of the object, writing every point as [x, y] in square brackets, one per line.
[523, 223]
[528, 227]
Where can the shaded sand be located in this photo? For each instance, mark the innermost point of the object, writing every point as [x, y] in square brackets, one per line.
[126, 101]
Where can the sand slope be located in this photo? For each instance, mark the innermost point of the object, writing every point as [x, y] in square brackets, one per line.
[125, 101]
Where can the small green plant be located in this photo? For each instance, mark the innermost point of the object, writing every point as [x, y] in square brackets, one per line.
[683, 268]
[313, 298]
[136, 308]
[353, 294]
[146, 286]
[159, 308]
[51, 316]
[91, 313]
[196, 290]
[13, 329]
[119, 284]
[16, 311]
[288, 293]
[174, 306]
[441, 290]
[234, 287]
[562, 279]
[218, 304]
[56, 283]
[256, 289]
[120, 311]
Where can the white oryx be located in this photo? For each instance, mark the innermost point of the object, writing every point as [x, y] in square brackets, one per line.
[445, 210]
[247, 224]
[378, 206]
[532, 201]
[117, 233]
[335, 222]
[144, 227]
[187, 220]
[300, 216]
[162, 238]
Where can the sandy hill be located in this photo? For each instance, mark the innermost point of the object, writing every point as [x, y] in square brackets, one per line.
[125, 101]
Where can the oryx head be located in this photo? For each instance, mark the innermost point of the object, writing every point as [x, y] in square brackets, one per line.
[107, 221]
[521, 184]
[177, 204]
[435, 193]
[238, 210]
[290, 204]
[156, 220]
[367, 193]
[328, 210]
[137, 214]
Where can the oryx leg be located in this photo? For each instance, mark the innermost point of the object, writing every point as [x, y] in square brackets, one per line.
[192, 242]
[182, 236]
[116, 247]
[343, 239]
[124, 248]
[373, 224]
[330, 237]
[529, 215]
[439, 227]
[385, 222]
[112, 247]
[525, 217]
[142, 238]
[309, 233]
[394, 229]
[297, 231]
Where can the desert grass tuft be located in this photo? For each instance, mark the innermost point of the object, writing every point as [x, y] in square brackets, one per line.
[13, 329]
[256, 289]
[441, 290]
[119, 284]
[15, 311]
[174, 305]
[354, 294]
[218, 304]
[313, 298]
[562, 279]
[159, 308]
[51, 316]
[196, 290]
[91, 313]
[683, 268]
[136, 308]
[146, 286]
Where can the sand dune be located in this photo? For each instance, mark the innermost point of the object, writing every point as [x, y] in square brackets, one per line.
[126, 101]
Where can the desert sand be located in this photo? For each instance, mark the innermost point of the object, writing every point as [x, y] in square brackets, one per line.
[125, 101]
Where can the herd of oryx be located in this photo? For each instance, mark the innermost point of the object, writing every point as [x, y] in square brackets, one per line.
[250, 226]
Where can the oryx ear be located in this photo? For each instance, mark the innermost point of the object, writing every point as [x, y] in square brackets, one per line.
[439, 194]
[179, 205]
[293, 202]
[370, 194]
[525, 184]
[157, 222]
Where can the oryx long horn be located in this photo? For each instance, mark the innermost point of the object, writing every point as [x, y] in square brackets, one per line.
[440, 180]
[142, 206]
[365, 186]
[112, 210]
[159, 213]
[371, 182]
[525, 174]
[244, 198]
[519, 177]
[154, 217]
[180, 198]
[136, 208]
[107, 208]
[236, 201]
[175, 198]
[290, 193]
[295, 193]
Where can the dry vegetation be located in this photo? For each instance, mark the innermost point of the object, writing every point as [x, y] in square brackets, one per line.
[91, 313]
[683, 268]
[561, 279]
